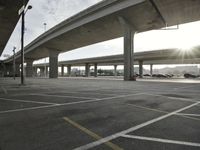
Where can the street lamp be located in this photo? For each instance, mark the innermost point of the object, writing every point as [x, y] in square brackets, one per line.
[22, 12]
[14, 62]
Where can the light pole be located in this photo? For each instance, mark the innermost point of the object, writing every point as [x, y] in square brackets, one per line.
[45, 67]
[22, 12]
[14, 62]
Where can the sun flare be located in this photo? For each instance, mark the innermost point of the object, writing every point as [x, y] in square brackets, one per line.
[186, 47]
[186, 43]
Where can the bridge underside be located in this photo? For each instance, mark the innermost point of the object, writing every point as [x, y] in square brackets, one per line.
[8, 19]
[109, 20]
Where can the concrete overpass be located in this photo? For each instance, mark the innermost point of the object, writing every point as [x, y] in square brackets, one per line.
[166, 56]
[169, 56]
[108, 20]
[8, 18]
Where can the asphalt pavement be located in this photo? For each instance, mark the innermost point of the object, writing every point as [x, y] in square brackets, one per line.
[99, 114]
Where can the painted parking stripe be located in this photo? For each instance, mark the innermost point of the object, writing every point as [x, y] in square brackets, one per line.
[65, 104]
[90, 133]
[161, 111]
[63, 96]
[147, 108]
[162, 140]
[4, 90]
[183, 87]
[175, 98]
[87, 92]
[124, 132]
[26, 101]
[24, 109]
[193, 115]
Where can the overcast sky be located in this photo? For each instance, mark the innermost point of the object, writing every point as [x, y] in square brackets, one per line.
[53, 12]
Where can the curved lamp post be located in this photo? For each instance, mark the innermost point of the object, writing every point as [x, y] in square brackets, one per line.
[22, 13]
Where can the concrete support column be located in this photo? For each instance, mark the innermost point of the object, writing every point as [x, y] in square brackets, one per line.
[69, 70]
[47, 72]
[151, 69]
[35, 71]
[9, 69]
[53, 63]
[62, 70]
[115, 70]
[29, 67]
[2, 69]
[42, 71]
[17, 69]
[87, 70]
[95, 70]
[141, 69]
[128, 49]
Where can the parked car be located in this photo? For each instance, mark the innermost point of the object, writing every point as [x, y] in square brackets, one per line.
[147, 75]
[188, 75]
[169, 75]
[159, 76]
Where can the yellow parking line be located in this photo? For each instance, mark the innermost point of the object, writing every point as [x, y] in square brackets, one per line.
[90, 133]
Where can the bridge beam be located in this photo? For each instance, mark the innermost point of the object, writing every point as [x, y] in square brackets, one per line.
[95, 70]
[29, 67]
[53, 63]
[129, 32]
[141, 69]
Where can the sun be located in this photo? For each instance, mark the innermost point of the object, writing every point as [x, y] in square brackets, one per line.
[186, 47]
[186, 44]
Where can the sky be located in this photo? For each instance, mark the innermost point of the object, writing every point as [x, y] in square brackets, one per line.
[53, 12]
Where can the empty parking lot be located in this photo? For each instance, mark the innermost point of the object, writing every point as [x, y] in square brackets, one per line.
[68, 113]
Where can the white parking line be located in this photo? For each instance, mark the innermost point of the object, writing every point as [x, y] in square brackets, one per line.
[63, 96]
[25, 101]
[193, 115]
[162, 140]
[175, 98]
[116, 135]
[70, 103]
[183, 87]
[4, 90]
[30, 108]
[190, 116]
[147, 108]
[86, 93]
